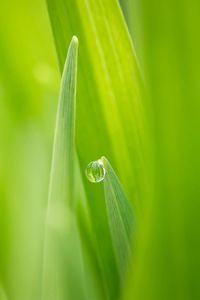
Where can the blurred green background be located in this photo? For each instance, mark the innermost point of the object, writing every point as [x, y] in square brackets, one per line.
[167, 45]
[29, 83]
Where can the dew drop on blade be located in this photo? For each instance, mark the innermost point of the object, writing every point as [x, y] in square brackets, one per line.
[95, 171]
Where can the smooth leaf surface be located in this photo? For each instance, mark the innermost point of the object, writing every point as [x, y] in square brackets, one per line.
[63, 158]
[168, 260]
[133, 16]
[2, 293]
[62, 257]
[109, 108]
[121, 218]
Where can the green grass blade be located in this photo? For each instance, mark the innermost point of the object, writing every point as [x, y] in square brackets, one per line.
[132, 13]
[109, 108]
[62, 257]
[62, 169]
[92, 272]
[108, 85]
[120, 216]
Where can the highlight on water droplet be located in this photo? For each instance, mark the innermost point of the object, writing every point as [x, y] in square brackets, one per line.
[95, 171]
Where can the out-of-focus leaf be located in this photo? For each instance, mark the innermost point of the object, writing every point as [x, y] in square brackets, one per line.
[28, 93]
[168, 261]
[133, 16]
[2, 293]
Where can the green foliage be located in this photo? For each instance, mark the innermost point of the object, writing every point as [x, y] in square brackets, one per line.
[147, 128]
[61, 244]
[120, 217]
[108, 109]
[63, 158]
[169, 266]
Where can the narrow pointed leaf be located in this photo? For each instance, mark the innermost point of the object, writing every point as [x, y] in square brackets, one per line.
[62, 256]
[109, 108]
[120, 217]
[62, 169]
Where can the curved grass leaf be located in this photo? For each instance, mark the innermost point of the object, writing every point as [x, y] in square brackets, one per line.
[120, 216]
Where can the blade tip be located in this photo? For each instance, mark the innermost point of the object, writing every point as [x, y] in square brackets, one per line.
[75, 40]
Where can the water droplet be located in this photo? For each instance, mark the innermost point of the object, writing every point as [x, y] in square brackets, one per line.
[95, 171]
